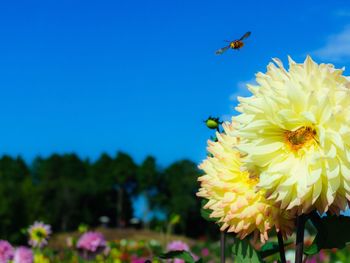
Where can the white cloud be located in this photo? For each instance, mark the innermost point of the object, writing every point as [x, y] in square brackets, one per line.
[337, 48]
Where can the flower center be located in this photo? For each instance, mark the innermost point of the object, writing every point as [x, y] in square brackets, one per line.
[39, 234]
[302, 137]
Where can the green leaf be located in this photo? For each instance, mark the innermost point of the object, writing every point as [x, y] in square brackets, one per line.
[174, 219]
[332, 232]
[205, 213]
[180, 254]
[271, 248]
[243, 252]
[312, 250]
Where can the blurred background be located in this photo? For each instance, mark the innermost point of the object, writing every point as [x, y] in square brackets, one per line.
[102, 102]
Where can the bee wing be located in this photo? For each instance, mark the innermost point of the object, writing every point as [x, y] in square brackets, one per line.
[246, 35]
[222, 50]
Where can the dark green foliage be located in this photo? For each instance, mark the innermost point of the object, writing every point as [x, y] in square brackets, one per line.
[62, 182]
[180, 254]
[271, 248]
[65, 191]
[212, 229]
[124, 170]
[332, 232]
[180, 181]
[147, 176]
[176, 194]
[14, 183]
[205, 213]
[243, 252]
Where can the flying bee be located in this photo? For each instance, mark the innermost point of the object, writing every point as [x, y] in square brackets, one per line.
[235, 44]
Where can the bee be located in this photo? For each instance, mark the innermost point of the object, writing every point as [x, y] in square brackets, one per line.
[235, 44]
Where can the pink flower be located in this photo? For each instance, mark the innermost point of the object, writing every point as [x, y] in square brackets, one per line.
[322, 256]
[23, 255]
[90, 244]
[205, 252]
[91, 241]
[178, 245]
[311, 260]
[136, 259]
[6, 251]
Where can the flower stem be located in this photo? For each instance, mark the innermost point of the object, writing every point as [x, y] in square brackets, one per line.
[222, 247]
[281, 247]
[299, 245]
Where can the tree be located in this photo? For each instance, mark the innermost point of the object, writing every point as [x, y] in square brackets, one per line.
[13, 210]
[147, 178]
[124, 175]
[176, 194]
[106, 173]
[64, 191]
[61, 182]
[177, 190]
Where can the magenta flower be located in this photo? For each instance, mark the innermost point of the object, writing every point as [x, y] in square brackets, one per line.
[90, 244]
[179, 245]
[91, 241]
[6, 251]
[39, 234]
[205, 252]
[23, 255]
[311, 260]
[320, 257]
[136, 259]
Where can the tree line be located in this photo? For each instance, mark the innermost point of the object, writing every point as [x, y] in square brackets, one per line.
[66, 191]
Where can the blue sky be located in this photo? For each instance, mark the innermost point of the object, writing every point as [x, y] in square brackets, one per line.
[141, 76]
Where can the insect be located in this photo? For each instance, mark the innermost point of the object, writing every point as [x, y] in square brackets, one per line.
[235, 44]
[213, 123]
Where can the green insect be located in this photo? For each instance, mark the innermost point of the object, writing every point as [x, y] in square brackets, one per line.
[213, 123]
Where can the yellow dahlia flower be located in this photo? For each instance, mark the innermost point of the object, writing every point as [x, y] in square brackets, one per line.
[296, 129]
[231, 192]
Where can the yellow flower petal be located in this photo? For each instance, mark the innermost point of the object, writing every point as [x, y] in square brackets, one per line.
[232, 194]
[295, 129]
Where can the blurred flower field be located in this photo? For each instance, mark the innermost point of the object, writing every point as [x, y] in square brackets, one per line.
[93, 246]
[86, 245]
